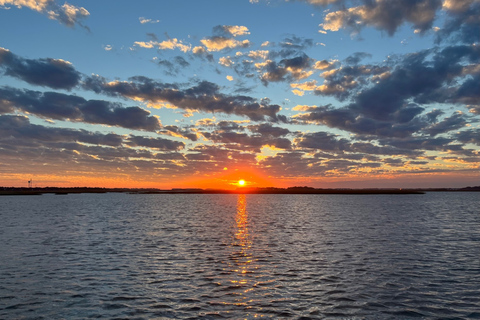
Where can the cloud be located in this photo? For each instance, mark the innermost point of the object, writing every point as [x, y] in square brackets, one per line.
[462, 23]
[454, 122]
[226, 61]
[205, 96]
[324, 64]
[356, 57]
[287, 69]
[155, 143]
[323, 141]
[386, 15]
[219, 43]
[351, 120]
[267, 130]
[258, 54]
[174, 66]
[255, 142]
[50, 150]
[234, 31]
[145, 20]
[393, 104]
[19, 127]
[461, 18]
[344, 81]
[60, 106]
[169, 44]
[184, 133]
[469, 136]
[297, 43]
[66, 14]
[201, 52]
[53, 73]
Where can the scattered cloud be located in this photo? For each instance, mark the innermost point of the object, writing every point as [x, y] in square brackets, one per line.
[169, 44]
[221, 43]
[205, 97]
[66, 14]
[233, 31]
[144, 20]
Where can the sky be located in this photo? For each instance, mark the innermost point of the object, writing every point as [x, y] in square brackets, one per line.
[187, 94]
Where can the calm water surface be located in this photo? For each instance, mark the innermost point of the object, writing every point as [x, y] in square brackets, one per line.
[240, 256]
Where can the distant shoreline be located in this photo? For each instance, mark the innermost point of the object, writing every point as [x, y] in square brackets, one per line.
[11, 191]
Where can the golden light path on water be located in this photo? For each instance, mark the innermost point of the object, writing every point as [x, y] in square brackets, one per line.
[241, 263]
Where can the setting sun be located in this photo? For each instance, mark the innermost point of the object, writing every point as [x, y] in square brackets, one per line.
[241, 183]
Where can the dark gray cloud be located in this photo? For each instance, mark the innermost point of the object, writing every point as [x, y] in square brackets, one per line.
[173, 66]
[468, 92]
[350, 120]
[19, 127]
[185, 133]
[356, 57]
[205, 96]
[296, 43]
[155, 143]
[387, 15]
[393, 105]
[266, 129]
[462, 23]
[454, 122]
[287, 69]
[323, 141]
[333, 146]
[419, 143]
[469, 136]
[346, 81]
[53, 73]
[61, 106]
[254, 141]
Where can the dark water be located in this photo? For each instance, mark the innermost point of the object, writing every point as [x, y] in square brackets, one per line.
[242, 257]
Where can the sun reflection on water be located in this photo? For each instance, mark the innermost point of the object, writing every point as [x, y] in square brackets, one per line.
[241, 260]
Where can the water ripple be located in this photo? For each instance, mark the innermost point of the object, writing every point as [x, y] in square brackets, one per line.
[125, 256]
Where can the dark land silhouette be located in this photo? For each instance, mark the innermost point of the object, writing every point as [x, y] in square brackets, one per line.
[9, 191]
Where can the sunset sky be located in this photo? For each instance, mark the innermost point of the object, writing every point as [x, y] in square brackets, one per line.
[169, 94]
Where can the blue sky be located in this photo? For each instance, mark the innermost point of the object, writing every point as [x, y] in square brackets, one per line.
[327, 93]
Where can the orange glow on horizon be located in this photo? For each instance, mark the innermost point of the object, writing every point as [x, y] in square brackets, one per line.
[228, 179]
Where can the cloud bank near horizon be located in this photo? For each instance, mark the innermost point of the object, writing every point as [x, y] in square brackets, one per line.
[413, 112]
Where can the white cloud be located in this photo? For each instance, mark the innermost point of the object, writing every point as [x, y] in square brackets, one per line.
[170, 44]
[237, 30]
[266, 43]
[220, 43]
[225, 61]
[145, 20]
[258, 54]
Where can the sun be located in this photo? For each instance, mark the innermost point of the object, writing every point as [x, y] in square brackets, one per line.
[241, 183]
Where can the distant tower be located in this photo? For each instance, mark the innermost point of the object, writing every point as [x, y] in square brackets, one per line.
[30, 183]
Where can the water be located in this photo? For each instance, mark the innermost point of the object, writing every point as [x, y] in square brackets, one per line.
[240, 256]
